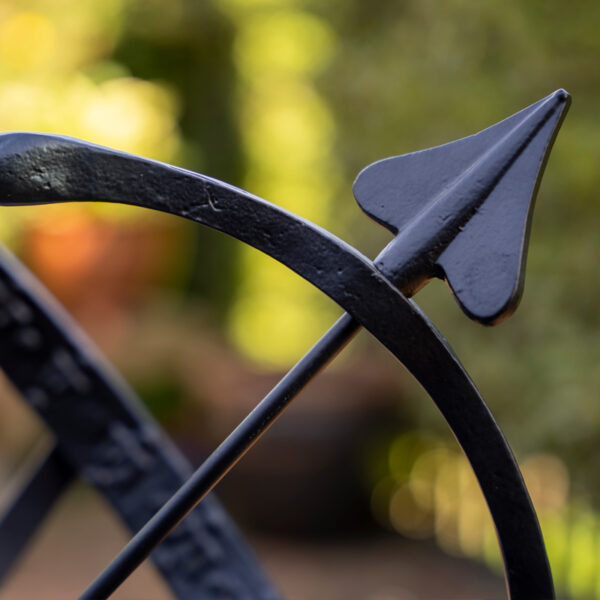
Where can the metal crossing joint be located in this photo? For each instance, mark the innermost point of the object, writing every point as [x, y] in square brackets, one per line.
[460, 211]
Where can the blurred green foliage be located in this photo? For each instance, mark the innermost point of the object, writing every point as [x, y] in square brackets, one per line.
[290, 99]
[413, 74]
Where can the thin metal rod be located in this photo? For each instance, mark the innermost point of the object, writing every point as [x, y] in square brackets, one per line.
[226, 455]
[418, 252]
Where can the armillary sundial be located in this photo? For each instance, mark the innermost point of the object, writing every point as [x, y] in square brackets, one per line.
[460, 212]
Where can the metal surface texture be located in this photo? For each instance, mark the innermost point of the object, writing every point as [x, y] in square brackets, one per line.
[104, 435]
[482, 184]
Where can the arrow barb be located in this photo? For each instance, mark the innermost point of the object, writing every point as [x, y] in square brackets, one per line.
[462, 211]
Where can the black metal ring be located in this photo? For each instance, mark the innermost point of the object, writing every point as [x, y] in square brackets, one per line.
[104, 434]
[45, 169]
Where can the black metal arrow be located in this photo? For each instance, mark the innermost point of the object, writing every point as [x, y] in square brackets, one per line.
[460, 211]
[471, 191]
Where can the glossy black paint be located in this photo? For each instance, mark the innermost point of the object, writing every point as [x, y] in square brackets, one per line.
[36, 169]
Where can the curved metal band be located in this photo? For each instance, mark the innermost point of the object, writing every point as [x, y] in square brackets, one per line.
[104, 433]
[45, 169]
